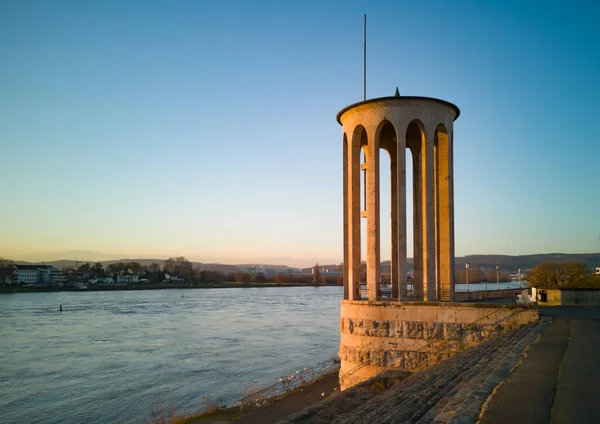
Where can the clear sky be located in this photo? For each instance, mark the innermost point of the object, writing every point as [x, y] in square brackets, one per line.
[207, 128]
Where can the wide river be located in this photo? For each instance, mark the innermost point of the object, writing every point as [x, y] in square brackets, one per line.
[114, 357]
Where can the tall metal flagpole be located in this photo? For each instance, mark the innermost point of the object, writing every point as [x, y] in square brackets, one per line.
[365, 59]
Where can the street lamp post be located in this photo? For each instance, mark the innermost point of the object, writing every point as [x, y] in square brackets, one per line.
[497, 278]
[486, 291]
[467, 275]
[519, 271]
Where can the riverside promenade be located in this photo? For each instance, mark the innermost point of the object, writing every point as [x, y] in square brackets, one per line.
[559, 380]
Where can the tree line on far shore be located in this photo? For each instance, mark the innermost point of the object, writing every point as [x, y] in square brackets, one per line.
[545, 275]
[184, 270]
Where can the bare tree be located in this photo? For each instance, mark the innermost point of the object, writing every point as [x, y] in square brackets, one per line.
[179, 266]
[556, 275]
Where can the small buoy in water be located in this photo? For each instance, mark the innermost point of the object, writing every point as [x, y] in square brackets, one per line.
[60, 309]
[181, 295]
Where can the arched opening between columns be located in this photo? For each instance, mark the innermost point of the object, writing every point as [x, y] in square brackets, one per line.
[364, 151]
[388, 197]
[353, 204]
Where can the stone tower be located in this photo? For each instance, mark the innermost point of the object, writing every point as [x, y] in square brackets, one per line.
[414, 324]
[377, 333]
[423, 127]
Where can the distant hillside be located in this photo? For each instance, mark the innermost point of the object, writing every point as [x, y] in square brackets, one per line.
[224, 268]
[592, 260]
[505, 262]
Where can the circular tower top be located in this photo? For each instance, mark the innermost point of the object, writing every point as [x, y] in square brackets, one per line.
[397, 101]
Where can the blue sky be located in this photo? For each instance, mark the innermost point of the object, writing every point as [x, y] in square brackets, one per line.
[207, 129]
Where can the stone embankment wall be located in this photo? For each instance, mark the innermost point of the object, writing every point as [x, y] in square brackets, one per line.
[378, 336]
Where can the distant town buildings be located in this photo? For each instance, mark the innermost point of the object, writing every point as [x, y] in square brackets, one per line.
[40, 276]
[259, 269]
[127, 277]
[58, 277]
[172, 278]
[28, 274]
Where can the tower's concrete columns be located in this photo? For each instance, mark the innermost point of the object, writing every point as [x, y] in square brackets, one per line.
[396, 123]
[400, 202]
[346, 212]
[444, 214]
[394, 225]
[451, 208]
[428, 217]
[373, 225]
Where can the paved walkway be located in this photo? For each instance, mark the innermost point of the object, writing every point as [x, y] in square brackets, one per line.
[559, 380]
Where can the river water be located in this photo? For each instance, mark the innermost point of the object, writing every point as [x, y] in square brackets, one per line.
[114, 357]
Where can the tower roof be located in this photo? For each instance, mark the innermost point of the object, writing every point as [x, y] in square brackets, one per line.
[399, 99]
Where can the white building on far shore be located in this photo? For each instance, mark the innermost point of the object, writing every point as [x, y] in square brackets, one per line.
[35, 274]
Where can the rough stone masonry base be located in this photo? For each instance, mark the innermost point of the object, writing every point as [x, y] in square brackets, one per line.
[377, 336]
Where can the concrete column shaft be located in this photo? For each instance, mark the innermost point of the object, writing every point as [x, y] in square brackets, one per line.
[394, 262]
[346, 206]
[444, 209]
[428, 217]
[373, 227]
[400, 177]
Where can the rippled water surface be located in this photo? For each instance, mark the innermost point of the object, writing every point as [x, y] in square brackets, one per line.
[115, 356]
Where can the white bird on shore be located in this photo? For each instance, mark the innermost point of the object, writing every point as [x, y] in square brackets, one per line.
[323, 394]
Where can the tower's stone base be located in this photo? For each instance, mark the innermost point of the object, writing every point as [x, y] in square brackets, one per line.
[377, 336]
